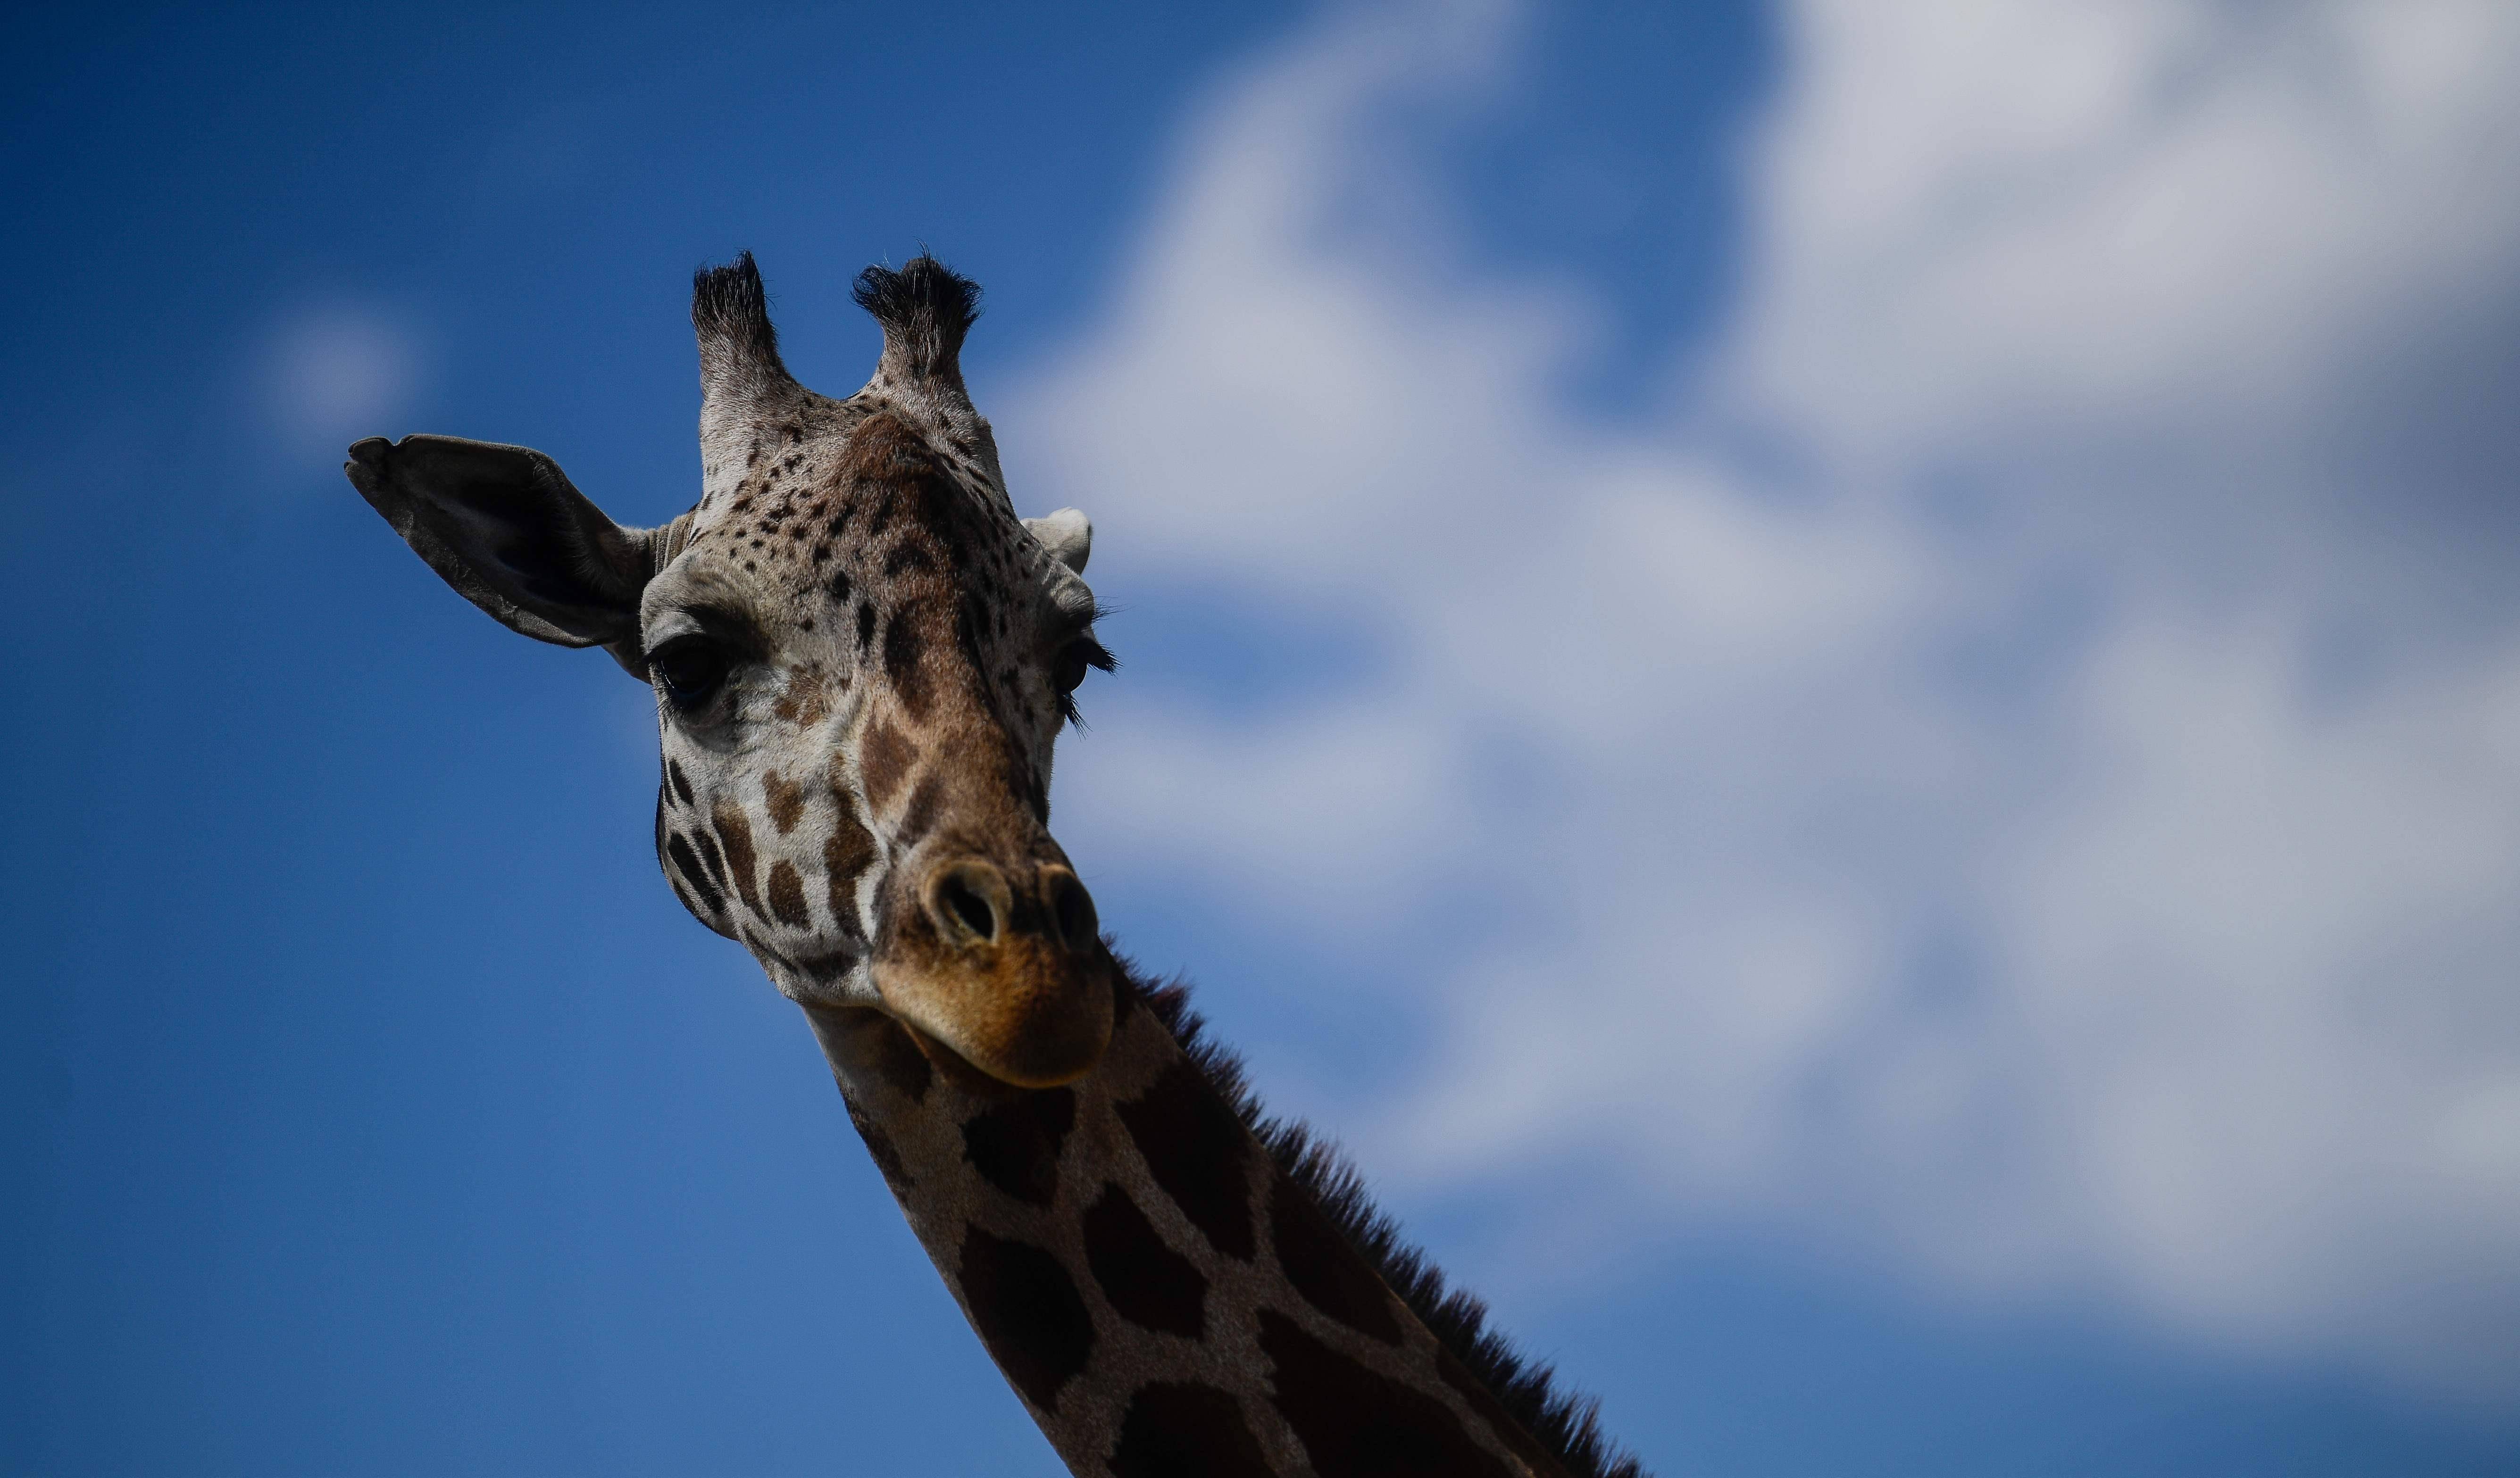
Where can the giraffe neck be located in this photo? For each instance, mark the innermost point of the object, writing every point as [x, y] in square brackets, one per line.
[1163, 1286]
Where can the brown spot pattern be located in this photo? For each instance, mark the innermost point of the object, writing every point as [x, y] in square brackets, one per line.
[688, 868]
[848, 852]
[845, 856]
[901, 667]
[786, 800]
[1175, 1429]
[1028, 1313]
[787, 895]
[826, 968]
[1016, 1145]
[884, 760]
[918, 817]
[1356, 1422]
[1193, 1147]
[1146, 1281]
[1499, 1420]
[734, 835]
[899, 1061]
[804, 701]
[707, 846]
[879, 1147]
[1324, 1265]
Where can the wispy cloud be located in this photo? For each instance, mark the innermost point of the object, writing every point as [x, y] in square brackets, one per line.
[333, 374]
[2069, 839]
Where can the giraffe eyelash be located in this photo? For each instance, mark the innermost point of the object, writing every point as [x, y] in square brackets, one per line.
[1097, 656]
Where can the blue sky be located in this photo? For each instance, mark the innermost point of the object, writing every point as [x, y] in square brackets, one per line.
[1839, 679]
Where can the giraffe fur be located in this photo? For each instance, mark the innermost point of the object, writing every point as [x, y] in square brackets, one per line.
[1270, 1312]
[1567, 1424]
[862, 660]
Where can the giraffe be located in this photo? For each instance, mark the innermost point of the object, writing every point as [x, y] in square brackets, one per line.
[862, 659]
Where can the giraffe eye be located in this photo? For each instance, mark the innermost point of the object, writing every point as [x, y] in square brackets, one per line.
[1069, 668]
[1072, 663]
[691, 670]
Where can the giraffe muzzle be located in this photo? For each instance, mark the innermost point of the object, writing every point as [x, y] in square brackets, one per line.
[972, 906]
[1002, 967]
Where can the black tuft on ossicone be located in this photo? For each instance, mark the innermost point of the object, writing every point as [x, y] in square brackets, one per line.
[730, 307]
[925, 308]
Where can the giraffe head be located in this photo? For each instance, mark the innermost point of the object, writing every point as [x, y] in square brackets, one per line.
[861, 659]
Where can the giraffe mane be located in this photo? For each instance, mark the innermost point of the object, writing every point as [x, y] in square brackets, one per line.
[1566, 1422]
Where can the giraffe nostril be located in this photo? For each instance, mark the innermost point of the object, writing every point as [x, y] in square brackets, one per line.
[972, 905]
[966, 906]
[1072, 908]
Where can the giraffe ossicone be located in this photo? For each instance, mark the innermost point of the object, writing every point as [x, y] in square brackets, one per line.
[862, 660]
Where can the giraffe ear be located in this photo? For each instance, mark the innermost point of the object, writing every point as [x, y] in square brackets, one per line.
[505, 527]
[1068, 536]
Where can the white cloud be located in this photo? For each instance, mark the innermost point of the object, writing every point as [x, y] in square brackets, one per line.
[332, 375]
[2019, 898]
[2093, 212]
